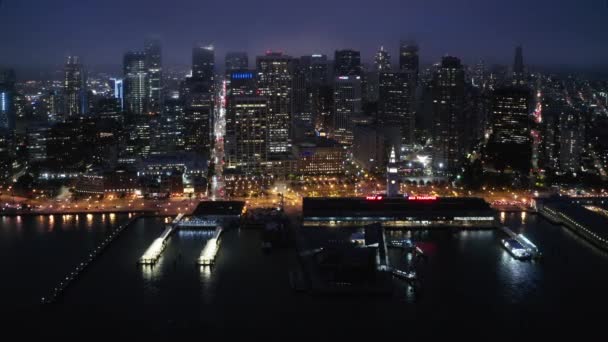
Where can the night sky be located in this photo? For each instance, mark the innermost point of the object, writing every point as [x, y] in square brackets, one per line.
[43, 32]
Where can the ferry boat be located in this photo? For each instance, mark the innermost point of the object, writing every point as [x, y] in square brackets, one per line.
[516, 249]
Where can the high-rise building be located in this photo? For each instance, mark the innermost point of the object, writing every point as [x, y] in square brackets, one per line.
[200, 100]
[74, 87]
[198, 122]
[236, 61]
[479, 75]
[169, 136]
[448, 116]
[153, 51]
[571, 141]
[7, 99]
[408, 57]
[396, 102]
[118, 91]
[316, 69]
[510, 144]
[382, 60]
[203, 68]
[319, 69]
[250, 115]
[302, 95]
[275, 81]
[519, 73]
[241, 82]
[136, 83]
[347, 63]
[347, 103]
[511, 116]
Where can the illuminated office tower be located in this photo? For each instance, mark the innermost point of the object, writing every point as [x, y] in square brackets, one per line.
[136, 83]
[7, 99]
[347, 63]
[117, 84]
[74, 88]
[382, 60]
[571, 141]
[236, 61]
[347, 103]
[479, 75]
[511, 141]
[448, 116]
[519, 73]
[408, 57]
[153, 51]
[301, 95]
[396, 95]
[409, 61]
[275, 77]
[203, 69]
[250, 115]
[240, 83]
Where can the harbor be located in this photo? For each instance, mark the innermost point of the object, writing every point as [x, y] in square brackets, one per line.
[73, 276]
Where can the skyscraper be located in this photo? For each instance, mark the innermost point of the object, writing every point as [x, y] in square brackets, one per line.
[153, 51]
[408, 57]
[74, 87]
[136, 83]
[511, 116]
[200, 100]
[241, 83]
[347, 63]
[448, 115]
[117, 85]
[479, 74]
[571, 141]
[347, 103]
[510, 144]
[236, 61]
[7, 95]
[382, 60]
[302, 94]
[519, 75]
[275, 77]
[250, 133]
[396, 95]
[203, 68]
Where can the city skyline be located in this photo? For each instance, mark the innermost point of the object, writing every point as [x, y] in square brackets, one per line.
[440, 28]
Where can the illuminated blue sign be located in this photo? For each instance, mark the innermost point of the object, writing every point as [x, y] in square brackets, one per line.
[3, 102]
[242, 76]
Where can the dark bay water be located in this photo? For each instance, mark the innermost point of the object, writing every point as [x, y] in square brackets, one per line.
[469, 282]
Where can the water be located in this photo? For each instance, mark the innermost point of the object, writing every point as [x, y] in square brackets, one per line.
[469, 282]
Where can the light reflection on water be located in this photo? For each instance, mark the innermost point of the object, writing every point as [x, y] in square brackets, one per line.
[470, 270]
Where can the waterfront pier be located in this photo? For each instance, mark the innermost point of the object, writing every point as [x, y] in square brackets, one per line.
[73, 276]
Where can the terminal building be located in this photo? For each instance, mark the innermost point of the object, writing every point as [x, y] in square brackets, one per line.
[399, 212]
[210, 214]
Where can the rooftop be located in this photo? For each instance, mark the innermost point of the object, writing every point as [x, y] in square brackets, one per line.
[225, 208]
[330, 207]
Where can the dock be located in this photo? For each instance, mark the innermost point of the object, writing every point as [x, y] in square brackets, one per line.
[73, 276]
[154, 252]
[209, 252]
